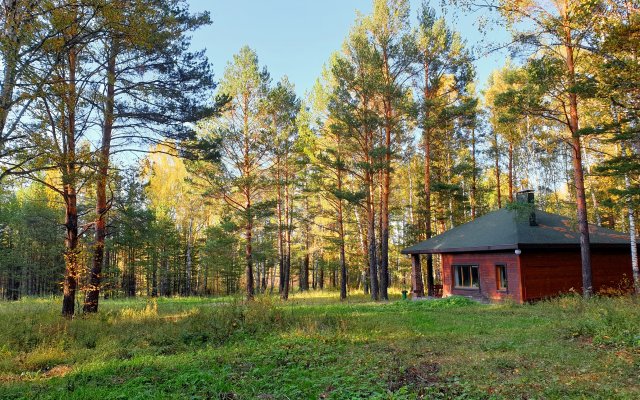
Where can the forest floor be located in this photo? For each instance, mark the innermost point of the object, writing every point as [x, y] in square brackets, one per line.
[314, 346]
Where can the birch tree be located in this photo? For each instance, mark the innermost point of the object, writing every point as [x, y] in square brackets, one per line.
[556, 35]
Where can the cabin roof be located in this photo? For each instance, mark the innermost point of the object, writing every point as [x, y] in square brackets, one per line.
[507, 229]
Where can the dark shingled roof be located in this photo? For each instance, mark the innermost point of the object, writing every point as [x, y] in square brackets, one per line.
[506, 229]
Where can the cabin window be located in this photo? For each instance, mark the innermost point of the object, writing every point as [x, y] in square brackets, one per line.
[466, 276]
[501, 277]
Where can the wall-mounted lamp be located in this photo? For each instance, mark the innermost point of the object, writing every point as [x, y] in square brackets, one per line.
[518, 252]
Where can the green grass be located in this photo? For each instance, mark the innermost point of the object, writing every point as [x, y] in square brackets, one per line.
[316, 347]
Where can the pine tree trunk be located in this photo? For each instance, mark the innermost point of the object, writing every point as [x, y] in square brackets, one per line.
[166, 283]
[426, 133]
[189, 261]
[304, 276]
[497, 168]
[474, 183]
[343, 263]
[249, 256]
[411, 213]
[386, 178]
[154, 277]
[95, 277]
[287, 247]
[384, 217]
[371, 238]
[578, 173]
[13, 287]
[265, 273]
[364, 247]
[70, 283]
[384, 240]
[429, 229]
[279, 215]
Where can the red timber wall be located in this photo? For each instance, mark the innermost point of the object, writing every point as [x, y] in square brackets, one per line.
[547, 273]
[487, 274]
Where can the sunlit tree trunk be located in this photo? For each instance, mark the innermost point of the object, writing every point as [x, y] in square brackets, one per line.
[371, 236]
[93, 291]
[386, 184]
[249, 256]
[341, 238]
[578, 173]
[250, 289]
[70, 283]
[426, 134]
[304, 276]
[287, 232]
[474, 178]
[511, 172]
[189, 261]
[280, 225]
[497, 167]
[632, 238]
[11, 57]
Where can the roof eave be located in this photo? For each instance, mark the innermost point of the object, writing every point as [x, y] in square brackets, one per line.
[461, 249]
[512, 247]
[573, 245]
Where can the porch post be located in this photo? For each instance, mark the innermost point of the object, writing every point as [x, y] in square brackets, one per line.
[430, 283]
[417, 286]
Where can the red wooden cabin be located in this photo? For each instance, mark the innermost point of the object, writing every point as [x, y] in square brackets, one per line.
[522, 254]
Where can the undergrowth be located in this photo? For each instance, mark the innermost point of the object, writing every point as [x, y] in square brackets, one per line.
[319, 347]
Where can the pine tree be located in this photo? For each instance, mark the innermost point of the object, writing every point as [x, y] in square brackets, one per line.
[148, 36]
[244, 147]
[352, 110]
[445, 72]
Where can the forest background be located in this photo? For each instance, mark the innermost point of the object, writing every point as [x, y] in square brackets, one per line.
[245, 184]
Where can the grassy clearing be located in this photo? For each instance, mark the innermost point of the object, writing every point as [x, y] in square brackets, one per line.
[316, 347]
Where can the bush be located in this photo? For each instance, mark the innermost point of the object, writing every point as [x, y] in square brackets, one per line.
[446, 302]
[610, 321]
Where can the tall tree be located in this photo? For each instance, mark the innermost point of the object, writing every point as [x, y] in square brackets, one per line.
[331, 160]
[390, 35]
[352, 109]
[244, 144]
[147, 36]
[615, 65]
[281, 108]
[507, 121]
[66, 114]
[445, 71]
[557, 34]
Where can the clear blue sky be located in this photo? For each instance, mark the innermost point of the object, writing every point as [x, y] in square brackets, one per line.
[296, 37]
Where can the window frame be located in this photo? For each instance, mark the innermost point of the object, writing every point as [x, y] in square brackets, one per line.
[455, 276]
[499, 286]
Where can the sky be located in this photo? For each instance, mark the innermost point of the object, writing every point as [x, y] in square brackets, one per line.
[296, 37]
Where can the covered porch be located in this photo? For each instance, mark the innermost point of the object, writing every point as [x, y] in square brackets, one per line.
[420, 275]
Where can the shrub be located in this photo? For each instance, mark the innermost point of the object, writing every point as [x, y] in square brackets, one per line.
[611, 321]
